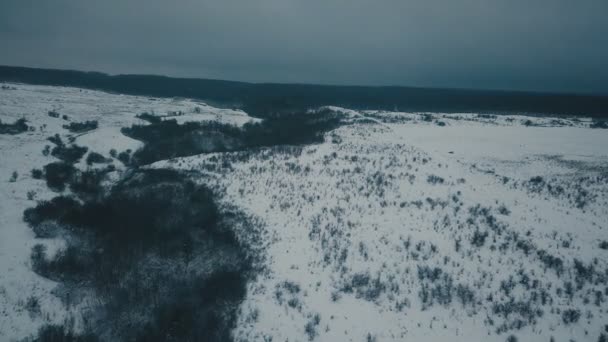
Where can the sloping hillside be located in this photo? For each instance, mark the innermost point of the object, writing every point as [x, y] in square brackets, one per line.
[383, 226]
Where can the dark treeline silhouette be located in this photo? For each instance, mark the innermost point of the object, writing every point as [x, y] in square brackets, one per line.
[265, 98]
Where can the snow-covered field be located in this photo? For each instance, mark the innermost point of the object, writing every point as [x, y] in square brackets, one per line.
[400, 226]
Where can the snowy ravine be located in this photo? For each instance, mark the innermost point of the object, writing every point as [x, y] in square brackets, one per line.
[400, 226]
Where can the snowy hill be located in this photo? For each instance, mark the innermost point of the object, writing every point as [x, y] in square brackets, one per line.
[396, 226]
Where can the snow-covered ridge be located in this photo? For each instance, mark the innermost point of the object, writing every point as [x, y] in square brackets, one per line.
[400, 226]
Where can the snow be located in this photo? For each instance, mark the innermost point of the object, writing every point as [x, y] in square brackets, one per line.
[23, 152]
[360, 204]
[351, 211]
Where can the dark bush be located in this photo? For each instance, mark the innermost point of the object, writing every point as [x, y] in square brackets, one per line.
[125, 157]
[53, 114]
[81, 127]
[58, 333]
[158, 214]
[17, 127]
[55, 139]
[87, 183]
[58, 174]
[479, 238]
[197, 314]
[599, 124]
[71, 154]
[95, 158]
[432, 179]
[46, 151]
[59, 209]
[550, 261]
[149, 117]
[37, 174]
[571, 316]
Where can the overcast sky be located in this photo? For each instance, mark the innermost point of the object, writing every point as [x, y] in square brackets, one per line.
[547, 45]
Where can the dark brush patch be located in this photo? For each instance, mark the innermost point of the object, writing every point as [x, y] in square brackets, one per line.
[81, 127]
[167, 139]
[16, 127]
[178, 274]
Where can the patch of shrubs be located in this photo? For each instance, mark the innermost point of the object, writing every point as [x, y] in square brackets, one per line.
[520, 313]
[427, 117]
[432, 179]
[69, 154]
[59, 333]
[571, 316]
[364, 286]
[37, 174]
[178, 274]
[58, 174]
[551, 261]
[168, 139]
[124, 157]
[87, 183]
[16, 127]
[599, 124]
[81, 127]
[436, 287]
[479, 238]
[57, 209]
[95, 158]
[311, 327]
[53, 114]
[149, 117]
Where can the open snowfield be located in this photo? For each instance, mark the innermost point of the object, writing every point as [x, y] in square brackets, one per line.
[398, 227]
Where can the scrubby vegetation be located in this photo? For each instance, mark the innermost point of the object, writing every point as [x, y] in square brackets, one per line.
[37, 174]
[81, 127]
[16, 127]
[199, 269]
[155, 119]
[59, 333]
[167, 139]
[53, 114]
[69, 154]
[152, 257]
[96, 158]
[58, 174]
[599, 124]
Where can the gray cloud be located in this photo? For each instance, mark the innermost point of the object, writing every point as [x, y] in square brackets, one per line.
[553, 45]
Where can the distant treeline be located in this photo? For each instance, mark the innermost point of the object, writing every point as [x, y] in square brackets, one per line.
[264, 99]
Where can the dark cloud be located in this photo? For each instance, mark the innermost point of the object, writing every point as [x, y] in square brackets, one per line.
[554, 45]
